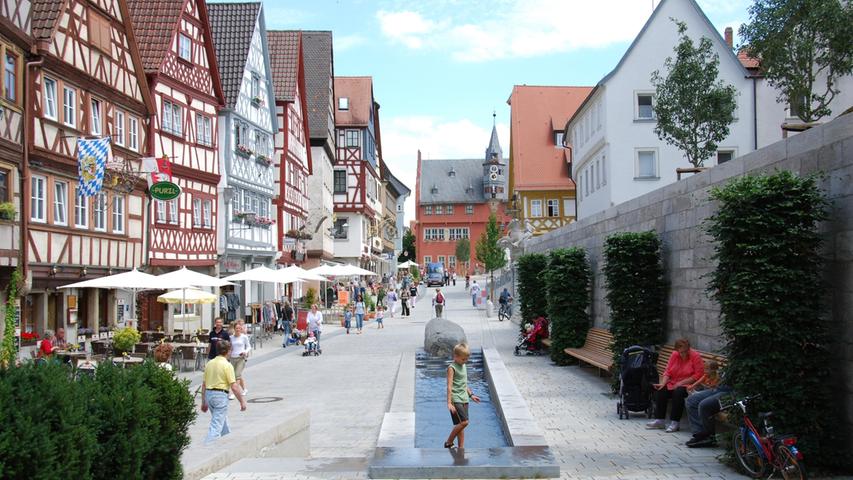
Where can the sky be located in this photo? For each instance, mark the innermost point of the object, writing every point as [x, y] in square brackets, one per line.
[441, 67]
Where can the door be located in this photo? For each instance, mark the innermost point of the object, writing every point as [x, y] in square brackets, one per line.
[155, 312]
[103, 308]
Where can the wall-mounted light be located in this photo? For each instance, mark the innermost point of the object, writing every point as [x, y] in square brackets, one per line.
[53, 270]
[84, 272]
[110, 271]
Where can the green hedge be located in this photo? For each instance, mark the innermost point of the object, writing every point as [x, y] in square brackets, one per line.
[635, 290]
[568, 280]
[531, 286]
[121, 423]
[769, 286]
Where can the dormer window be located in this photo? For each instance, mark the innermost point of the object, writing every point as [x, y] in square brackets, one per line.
[558, 139]
[434, 189]
[469, 189]
[343, 103]
[452, 172]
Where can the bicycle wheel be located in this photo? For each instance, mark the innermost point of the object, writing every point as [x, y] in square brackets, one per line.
[749, 456]
[789, 466]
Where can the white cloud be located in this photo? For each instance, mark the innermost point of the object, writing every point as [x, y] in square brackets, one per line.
[403, 136]
[516, 28]
[346, 42]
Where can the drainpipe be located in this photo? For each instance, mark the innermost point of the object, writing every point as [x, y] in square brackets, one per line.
[25, 174]
[754, 113]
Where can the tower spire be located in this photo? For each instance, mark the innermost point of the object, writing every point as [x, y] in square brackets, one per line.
[494, 117]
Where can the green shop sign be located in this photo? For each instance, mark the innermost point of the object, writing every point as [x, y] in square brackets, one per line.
[165, 191]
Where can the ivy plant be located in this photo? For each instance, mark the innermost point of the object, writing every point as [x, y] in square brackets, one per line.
[567, 280]
[8, 348]
[769, 286]
[636, 290]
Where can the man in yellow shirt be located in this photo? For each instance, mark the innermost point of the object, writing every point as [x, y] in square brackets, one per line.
[218, 380]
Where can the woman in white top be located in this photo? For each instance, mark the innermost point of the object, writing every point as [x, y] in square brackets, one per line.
[240, 347]
[315, 323]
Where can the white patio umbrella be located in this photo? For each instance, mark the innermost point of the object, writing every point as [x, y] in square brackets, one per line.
[258, 274]
[406, 264]
[328, 270]
[303, 274]
[187, 295]
[187, 277]
[349, 270]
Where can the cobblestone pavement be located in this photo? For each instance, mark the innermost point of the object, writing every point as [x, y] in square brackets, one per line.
[348, 389]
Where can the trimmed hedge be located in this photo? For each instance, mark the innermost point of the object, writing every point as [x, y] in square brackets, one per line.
[568, 280]
[531, 286]
[636, 290]
[121, 423]
[769, 286]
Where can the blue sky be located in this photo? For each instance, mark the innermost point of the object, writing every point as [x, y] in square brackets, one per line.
[440, 67]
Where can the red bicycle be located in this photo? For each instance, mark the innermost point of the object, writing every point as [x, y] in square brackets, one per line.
[759, 450]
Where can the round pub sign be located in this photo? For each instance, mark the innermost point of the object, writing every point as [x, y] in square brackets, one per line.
[165, 191]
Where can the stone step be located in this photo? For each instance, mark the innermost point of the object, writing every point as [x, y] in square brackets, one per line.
[503, 462]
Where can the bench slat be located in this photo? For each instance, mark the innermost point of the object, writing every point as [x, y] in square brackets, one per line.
[596, 349]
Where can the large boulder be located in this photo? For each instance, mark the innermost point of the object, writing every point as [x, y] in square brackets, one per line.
[441, 335]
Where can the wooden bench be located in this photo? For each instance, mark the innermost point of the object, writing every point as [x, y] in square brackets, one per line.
[546, 342]
[595, 350]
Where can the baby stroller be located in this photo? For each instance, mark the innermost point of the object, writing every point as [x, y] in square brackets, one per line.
[530, 343]
[311, 347]
[637, 374]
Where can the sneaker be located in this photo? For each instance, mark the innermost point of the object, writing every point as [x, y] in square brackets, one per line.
[655, 425]
[245, 392]
[701, 442]
[672, 427]
[231, 396]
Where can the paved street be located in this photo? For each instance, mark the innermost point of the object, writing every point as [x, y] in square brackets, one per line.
[349, 387]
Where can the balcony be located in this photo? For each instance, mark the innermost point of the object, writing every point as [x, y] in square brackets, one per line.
[546, 224]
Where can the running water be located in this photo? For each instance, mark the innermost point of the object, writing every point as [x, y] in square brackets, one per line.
[432, 419]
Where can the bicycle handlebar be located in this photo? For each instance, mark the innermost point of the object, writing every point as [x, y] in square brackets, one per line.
[742, 403]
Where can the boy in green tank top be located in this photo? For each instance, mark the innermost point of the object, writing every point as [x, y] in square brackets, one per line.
[458, 394]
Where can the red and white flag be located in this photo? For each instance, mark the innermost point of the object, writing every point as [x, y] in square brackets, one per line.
[158, 169]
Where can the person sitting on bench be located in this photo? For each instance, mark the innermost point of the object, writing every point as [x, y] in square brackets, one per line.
[685, 367]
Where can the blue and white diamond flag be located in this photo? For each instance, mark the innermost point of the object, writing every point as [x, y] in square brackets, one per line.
[92, 158]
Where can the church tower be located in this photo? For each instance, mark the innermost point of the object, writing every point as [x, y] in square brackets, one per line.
[494, 170]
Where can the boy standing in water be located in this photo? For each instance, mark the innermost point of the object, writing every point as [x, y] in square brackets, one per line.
[458, 394]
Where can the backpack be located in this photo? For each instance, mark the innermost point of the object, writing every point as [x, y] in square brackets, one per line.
[439, 299]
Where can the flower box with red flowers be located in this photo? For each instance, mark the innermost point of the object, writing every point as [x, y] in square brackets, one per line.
[263, 160]
[244, 151]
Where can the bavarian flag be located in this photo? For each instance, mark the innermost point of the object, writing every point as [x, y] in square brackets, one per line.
[92, 157]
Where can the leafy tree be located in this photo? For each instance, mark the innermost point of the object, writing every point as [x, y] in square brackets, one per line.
[463, 250]
[8, 349]
[489, 253]
[803, 47]
[769, 285]
[408, 252]
[693, 108]
[531, 286]
[568, 279]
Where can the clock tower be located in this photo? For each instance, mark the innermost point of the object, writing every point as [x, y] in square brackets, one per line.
[494, 171]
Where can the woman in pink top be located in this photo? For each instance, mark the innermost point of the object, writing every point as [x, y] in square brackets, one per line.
[685, 366]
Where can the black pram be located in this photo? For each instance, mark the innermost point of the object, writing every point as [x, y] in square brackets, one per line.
[638, 373]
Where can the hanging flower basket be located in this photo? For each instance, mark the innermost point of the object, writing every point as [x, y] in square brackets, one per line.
[263, 160]
[247, 217]
[298, 234]
[258, 100]
[244, 151]
[263, 222]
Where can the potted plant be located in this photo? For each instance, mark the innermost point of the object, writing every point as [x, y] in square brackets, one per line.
[243, 150]
[263, 160]
[310, 297]
[29, 338]
[370, 304]
[125, 339]
[7, 211]
[258, 100]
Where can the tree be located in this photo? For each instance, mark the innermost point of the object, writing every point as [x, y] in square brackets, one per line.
[803, 47]
[8, 348]
[489, 253]
[463, 250]
[408, 252]
[693, 108]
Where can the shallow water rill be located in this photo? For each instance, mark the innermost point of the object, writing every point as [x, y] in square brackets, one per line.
[432, 419]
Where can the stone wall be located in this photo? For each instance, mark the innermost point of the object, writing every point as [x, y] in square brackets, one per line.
[678, 211]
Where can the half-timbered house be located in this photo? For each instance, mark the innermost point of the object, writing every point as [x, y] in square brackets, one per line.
[85, 82]
[356, 173]
[15, 39]
[247, 222]
[292, 147]
[178, 57]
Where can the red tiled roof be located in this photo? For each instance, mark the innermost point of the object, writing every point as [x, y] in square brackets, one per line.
[284, 60]
[154, 23]
[45, 13]
[537, 112]
[747, 60]
[359, 91]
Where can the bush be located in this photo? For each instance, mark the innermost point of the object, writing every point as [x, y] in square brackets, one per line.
[635, 290]
[416, 273]
[124, 340]
[568, 289]
[531, 287]
[769, 288]
[121, 423]
[310, 297]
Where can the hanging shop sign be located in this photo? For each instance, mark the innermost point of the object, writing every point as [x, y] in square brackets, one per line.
[165, 191]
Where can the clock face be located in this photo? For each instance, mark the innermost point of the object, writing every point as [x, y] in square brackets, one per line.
[493, 169]
[493, 176]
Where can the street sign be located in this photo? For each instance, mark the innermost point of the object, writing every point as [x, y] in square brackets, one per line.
[165, 191]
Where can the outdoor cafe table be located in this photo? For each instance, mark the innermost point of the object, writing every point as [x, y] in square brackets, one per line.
[127, 361]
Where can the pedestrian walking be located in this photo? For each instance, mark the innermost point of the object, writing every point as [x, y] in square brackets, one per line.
[458, 395]
[240, 347]
[405, 295]
[438, 302]
[413, 293]
[392, 302]
[475, 292]
[218, 380]
[380, 317]
[287, 313]
[315, 324]
[359, 313]
[218, 334]
[349, 313]
[454, 279]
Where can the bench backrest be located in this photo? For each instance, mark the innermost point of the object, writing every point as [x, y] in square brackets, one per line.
[599, 340]
[666, 351]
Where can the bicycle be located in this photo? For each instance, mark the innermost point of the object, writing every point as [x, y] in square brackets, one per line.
[503, 312]
[760, 449]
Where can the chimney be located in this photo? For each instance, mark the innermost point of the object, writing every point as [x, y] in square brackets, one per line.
[730, 38]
